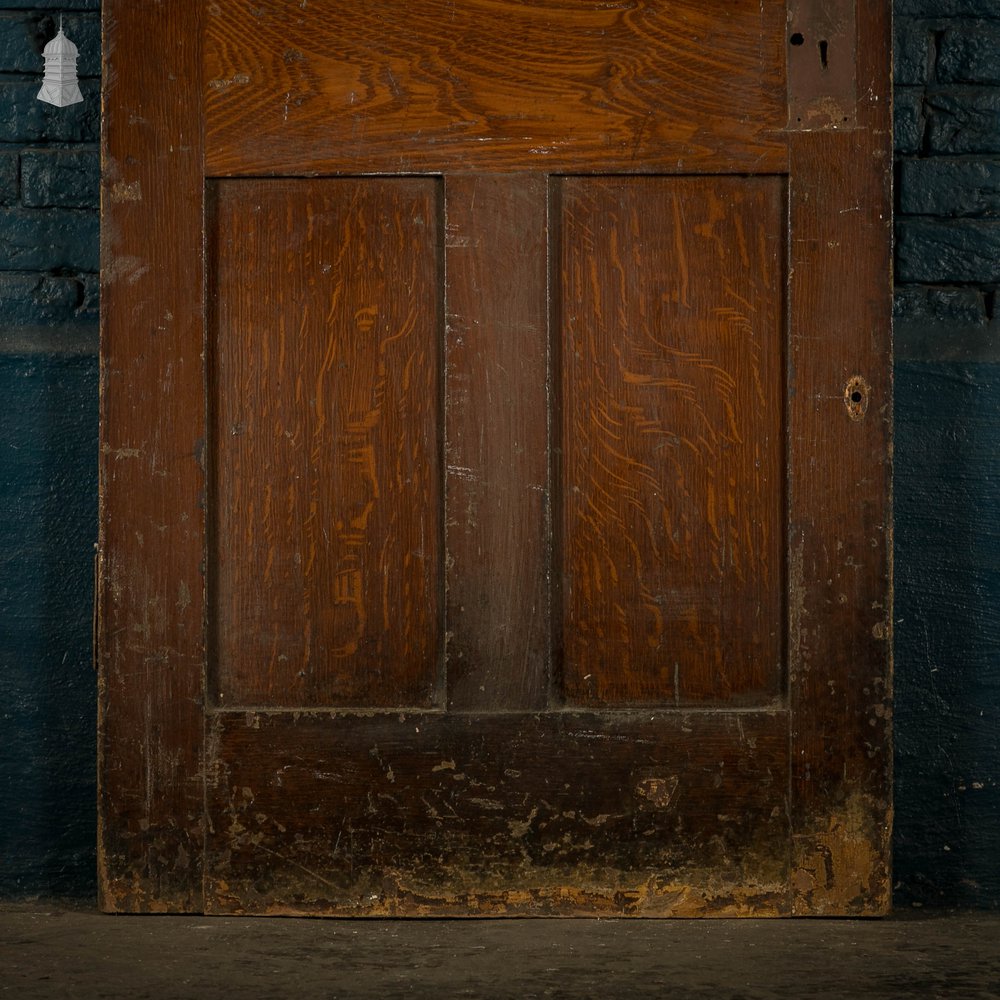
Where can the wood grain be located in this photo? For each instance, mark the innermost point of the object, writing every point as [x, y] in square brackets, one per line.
[497, 441]
[840, 516]
[685, 776]
[151, 544]
[416, 815]
[326, 501]
[447, 85]
[672, 340]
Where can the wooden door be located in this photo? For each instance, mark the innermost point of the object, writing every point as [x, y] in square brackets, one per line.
[495, 435]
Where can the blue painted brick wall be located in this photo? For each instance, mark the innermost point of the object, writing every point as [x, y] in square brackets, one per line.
[947, 715]
[49, 167]
[947, 129]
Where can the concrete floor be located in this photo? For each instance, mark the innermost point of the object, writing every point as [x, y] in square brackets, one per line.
[49, 951]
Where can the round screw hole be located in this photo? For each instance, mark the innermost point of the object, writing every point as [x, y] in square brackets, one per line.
[797, 39]
[857, 394]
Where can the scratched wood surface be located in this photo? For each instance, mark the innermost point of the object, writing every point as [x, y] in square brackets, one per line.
[325, 418]
[530, 814]
[840, 517]
[494, 85]
[151, 548]
[634, 415]
[497, 441]
[672, 332]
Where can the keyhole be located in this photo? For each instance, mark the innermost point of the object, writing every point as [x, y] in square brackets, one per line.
[823, 47]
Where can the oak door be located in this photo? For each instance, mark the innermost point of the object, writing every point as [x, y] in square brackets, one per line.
[495, 457]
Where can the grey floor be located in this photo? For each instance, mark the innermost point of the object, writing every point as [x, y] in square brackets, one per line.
[51, 951]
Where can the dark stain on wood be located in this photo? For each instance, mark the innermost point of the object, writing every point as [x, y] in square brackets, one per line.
[418, 814]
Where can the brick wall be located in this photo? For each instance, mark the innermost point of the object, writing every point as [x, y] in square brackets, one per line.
[947, 504]
[48, 456]
[49, 169]
[947, 102]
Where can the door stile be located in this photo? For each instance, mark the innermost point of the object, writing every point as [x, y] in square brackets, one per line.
[497, 442]
[840, 612]
[151, 597]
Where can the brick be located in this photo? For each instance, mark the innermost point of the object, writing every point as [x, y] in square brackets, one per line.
[51, 239]
[964, 120]
[941, 323]
[920, 304]
[25, 119]
[89, 309]
[56, 5]
[943, 251]
[8, 178]
[947, 186]
[913, 42]
[34, 300]
[945, 8]
[908, 120]
[60, 178]
[969, 52]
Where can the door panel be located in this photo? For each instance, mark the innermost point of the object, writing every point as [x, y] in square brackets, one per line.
[494, 479]
[493, 85]
[421, 815]
[326, 421]
[672, 323]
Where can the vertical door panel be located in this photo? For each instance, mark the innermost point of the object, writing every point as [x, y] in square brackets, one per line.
[326, 506]
[672, 339]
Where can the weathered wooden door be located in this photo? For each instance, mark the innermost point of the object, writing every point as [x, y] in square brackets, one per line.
[495, 457]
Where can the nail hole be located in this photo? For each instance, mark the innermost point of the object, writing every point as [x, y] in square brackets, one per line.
[824, 47]
[797, 38]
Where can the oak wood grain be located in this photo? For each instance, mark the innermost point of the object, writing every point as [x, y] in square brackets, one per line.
[325, 447]
[672, 339]
[497, 441]
[445, 85]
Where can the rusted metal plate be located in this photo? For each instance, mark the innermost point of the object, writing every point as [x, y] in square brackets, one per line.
[822, 65]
